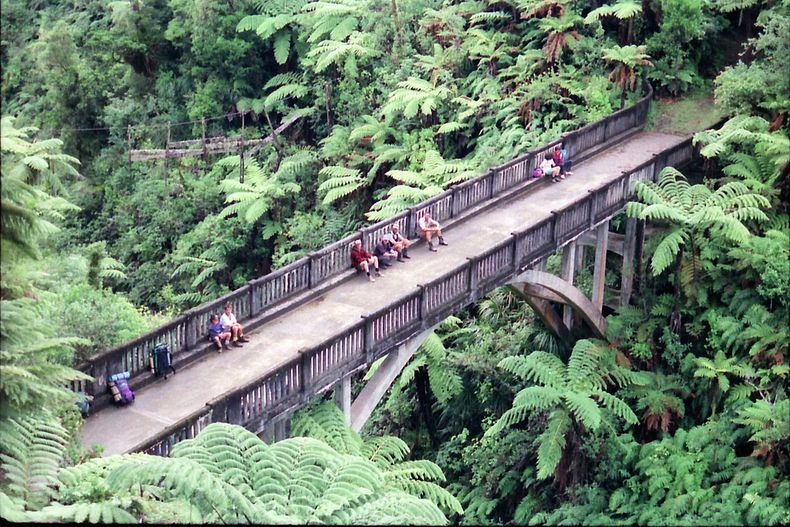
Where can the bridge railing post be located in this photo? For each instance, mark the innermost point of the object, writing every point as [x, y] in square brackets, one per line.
[474, 279]
[306, 373]
[412, 223]
[367, 337]
[255, 305]
[492, 182]
[190, 329]
[423, 304]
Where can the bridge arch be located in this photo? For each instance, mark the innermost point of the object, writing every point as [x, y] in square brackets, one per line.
[567, 293]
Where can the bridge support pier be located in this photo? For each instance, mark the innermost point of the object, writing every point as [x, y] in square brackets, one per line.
[568, 273]
[599, 272]
[629, 252]
[377, 386]
[276, 431]
[343, 397]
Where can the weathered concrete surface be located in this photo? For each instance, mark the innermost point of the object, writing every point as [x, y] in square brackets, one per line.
[572, 297]
[165, 402]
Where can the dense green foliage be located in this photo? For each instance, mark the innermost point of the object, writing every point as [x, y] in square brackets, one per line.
[680, 416]
[226, 474]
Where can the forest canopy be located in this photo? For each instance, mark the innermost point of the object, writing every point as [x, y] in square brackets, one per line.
[679, 415]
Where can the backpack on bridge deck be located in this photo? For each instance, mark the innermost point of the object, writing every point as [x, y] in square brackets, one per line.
[537, 172]
[160, 360]
[118, 385]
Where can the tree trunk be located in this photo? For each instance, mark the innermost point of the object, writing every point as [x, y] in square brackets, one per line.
[622, 97]
[674, 318]
[394, 4]
[328, 95]
[424, 398]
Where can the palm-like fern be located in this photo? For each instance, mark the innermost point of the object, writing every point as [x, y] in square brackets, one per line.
[415, 96]
[225, 475]
[275, 22]
[660, 401]
[570, 394]
[436, 174]
[694, 212]
[101, 265]
[769, 423]
[40, 162]
[558, 32]
[262, 191]
[752, 131]
[31, 376]
[623, 10]
[31, 450]
[625, 60]
[326, 423]
[26, 210]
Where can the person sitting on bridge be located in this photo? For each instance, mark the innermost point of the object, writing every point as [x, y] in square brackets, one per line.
[361, 260]
[547, 165]
[229, 323]
[217, 334]
[560, 158]
[400, 244]
[431, 227]
[384, 251]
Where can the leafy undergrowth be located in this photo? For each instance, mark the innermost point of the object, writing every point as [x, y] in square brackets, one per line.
[685, 115]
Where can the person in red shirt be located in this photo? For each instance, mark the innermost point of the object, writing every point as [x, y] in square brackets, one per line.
[362, 260]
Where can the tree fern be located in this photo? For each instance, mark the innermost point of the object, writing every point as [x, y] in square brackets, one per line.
[570, 394]
[694, 212]
[31, 451]
[326, 422]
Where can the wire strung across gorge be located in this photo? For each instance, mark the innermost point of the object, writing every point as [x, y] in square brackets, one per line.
[137, 127]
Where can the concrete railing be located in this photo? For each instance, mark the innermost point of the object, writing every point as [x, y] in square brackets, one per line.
[319, 368]
[185, 335]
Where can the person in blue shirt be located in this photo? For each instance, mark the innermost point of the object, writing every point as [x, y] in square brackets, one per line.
[217, 334]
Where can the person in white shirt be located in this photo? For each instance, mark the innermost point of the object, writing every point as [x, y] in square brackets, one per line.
[549, 169]
[431, 227]
[229, 323]
[399, 243]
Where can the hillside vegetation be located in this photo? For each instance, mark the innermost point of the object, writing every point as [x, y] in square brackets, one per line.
[680, 416]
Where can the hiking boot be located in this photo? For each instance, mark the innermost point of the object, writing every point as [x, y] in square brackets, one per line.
[238, 344]
[218, 346]
[378, 273]
[243, 339]
[227, 345]
[562, 176]
[406, 255]
[431, 247]
[371, 279]
[442, 242]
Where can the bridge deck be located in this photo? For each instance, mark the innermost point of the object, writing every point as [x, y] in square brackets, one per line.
[163, 403]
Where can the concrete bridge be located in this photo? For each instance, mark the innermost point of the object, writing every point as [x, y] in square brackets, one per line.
[314, 323]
